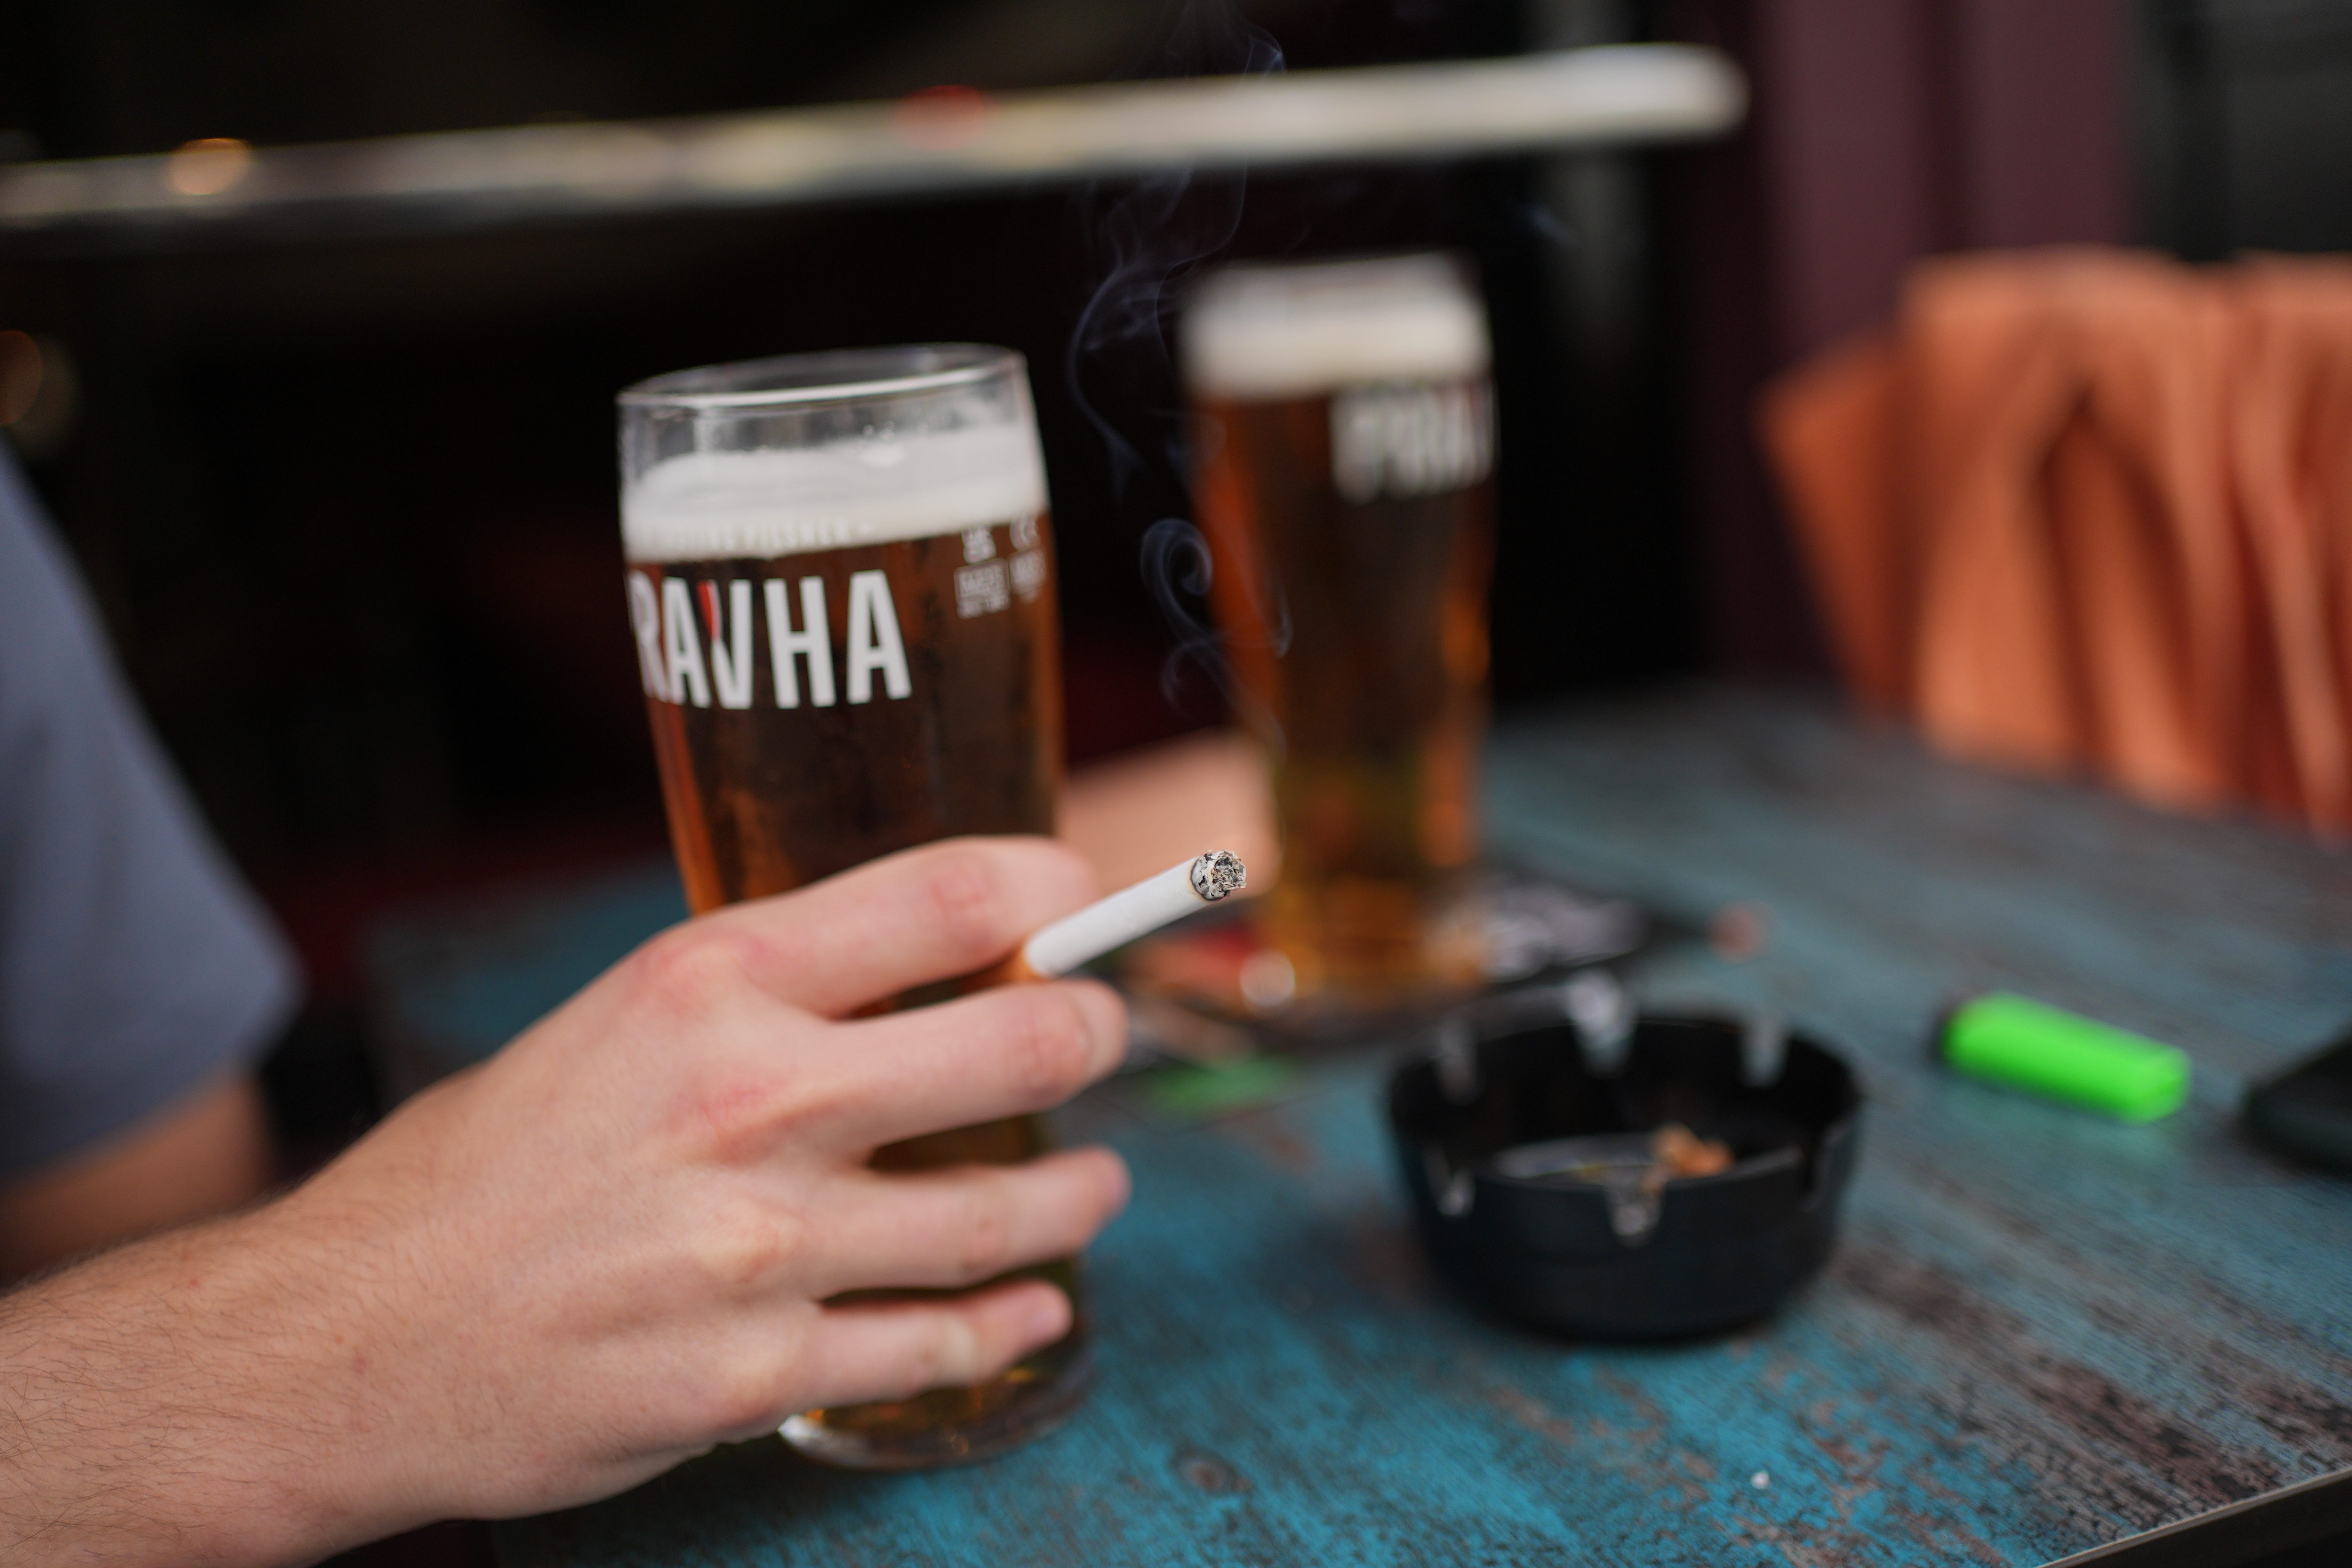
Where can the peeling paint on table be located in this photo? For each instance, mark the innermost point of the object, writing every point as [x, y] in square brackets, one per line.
[2041, 1331]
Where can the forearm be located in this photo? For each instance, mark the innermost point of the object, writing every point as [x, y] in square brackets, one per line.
[178, 1401]
[206, 1155]
[626, 1236]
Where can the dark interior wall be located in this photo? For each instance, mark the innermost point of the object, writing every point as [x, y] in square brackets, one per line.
[2244, 125]
[349, 505]
[137, 76]
[1883, 130]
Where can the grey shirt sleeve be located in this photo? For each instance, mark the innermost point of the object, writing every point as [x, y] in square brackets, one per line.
[135, 964]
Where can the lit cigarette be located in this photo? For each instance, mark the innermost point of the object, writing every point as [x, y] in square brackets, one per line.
[1124, 915]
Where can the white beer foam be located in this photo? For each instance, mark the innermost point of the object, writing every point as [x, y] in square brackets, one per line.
[1262, 334]
[706, 505]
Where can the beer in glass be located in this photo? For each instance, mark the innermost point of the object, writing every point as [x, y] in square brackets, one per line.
[840, 580]
[1344, 445]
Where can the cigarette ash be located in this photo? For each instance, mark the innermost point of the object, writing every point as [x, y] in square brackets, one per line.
[1218, 874]
[1632, 1168]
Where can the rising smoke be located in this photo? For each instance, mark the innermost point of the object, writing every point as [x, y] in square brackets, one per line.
[1148, 238]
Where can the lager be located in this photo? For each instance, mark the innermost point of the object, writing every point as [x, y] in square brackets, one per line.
[840, 585]
[1344, 449]
[815, 708]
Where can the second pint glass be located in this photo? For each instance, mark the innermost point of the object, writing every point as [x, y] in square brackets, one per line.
[840, 580]
[1344, 443]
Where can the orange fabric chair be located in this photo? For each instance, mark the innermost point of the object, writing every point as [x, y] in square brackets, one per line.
[2082, 510]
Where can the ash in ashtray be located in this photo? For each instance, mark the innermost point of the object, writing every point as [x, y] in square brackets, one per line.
[1633, 1168]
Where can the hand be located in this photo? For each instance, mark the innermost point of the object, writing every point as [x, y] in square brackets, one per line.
[603, 1250]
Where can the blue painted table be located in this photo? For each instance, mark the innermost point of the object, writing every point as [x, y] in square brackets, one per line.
[2042, 1332]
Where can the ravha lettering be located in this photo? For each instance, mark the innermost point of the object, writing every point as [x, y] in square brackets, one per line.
[695, 642]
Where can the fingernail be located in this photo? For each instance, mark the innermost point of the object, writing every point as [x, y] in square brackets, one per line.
[1049, 1319]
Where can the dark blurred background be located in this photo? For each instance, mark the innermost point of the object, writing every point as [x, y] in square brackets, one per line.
[349, 505]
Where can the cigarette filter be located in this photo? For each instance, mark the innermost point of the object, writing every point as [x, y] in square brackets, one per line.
[2045, 1051]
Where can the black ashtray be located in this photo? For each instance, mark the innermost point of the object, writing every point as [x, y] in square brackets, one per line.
[1525, 1148]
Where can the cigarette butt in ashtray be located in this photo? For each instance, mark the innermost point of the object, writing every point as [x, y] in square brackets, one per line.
[1130, 913]
[2045, 1051]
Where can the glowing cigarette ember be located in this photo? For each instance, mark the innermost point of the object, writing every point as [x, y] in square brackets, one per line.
[1126, 915]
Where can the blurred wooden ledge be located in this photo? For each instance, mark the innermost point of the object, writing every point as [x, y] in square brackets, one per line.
[941, 141]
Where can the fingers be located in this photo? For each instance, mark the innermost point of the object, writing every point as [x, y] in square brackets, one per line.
[944, 1229]
[907, 919]
[998, 1053]
[898, 1349]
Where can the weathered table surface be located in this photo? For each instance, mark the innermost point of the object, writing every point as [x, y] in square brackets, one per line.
[2042, 1332]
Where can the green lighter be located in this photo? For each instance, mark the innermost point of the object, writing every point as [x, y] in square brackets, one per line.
[2028, 1045]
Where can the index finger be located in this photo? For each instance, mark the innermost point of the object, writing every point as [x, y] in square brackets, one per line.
[922, 915]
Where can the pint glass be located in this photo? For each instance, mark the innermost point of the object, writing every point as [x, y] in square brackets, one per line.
[1344, 444]
[840, 580]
